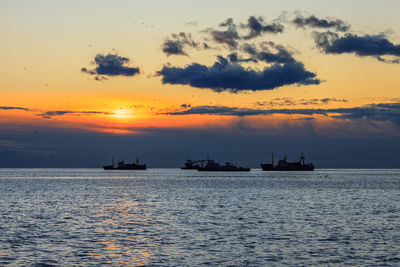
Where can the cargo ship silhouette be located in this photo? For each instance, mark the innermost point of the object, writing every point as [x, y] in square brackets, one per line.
[126, 166]
[213, 166]
[284, 165]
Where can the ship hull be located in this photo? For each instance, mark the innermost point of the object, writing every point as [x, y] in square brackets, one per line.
[267, 167]
[125, 169]
[138, 167]
[295, 169]
[284, 165]
[277, 168]
[108, 167]
[284, 169]
[223, 170]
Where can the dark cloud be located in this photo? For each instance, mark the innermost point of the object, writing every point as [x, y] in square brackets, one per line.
[281, 54]
[366, 45]
[54, 113]
[14, 108]
[227, 23]
[111, 65]
[314, 22]
[170, 47]
[177, 44]
[230, 36]
[224, 75]
[257, 26]
[100, 78]
[375, 112]
[185, 105]
[234, 58]
[386, 60]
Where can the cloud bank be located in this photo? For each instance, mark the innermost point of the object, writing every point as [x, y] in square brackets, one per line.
[228, 73]
[225, 75]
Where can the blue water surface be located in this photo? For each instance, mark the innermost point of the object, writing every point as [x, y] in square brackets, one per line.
[170, 217]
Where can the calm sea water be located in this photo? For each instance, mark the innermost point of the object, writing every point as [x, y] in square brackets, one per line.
[178, 218]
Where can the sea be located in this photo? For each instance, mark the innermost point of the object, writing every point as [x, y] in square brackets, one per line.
[171, 217]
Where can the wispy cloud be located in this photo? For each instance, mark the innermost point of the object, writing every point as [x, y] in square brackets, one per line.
[284, 101]
[54, 113]
[375, 112]
[230, 36]
[315, 22]
[268, 52]
[258, 26]
[8, 145]
[14, 108]
[177, 44]
[191, 23]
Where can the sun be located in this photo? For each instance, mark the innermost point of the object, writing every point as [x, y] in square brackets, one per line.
[122, 113]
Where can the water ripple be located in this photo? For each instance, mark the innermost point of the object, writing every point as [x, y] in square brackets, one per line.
[161, 217]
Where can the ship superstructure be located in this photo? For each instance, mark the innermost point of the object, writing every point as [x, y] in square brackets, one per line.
[193, 164]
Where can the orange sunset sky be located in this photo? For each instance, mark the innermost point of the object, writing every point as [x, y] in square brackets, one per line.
[189, 79]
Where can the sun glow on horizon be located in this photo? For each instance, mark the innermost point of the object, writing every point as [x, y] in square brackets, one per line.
[123, 113]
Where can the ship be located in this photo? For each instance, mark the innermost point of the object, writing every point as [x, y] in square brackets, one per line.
[284, 165]
[193, 164]
[213, 166]
[268, 166]
[126, 166]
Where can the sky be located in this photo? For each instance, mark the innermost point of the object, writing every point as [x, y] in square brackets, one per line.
[84, 81]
